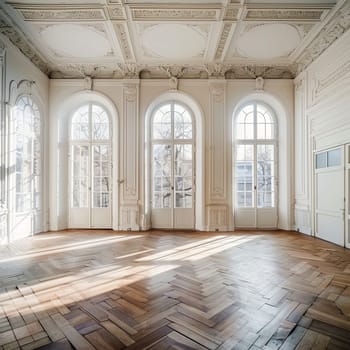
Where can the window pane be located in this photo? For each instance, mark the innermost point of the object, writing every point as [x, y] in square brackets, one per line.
[334, 157]
[182, 123]
[265, 123]
[161, 176]
[80, 129]
[321, 160]
[100, 123]
[28, 154]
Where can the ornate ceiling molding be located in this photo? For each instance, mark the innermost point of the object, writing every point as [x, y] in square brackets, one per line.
[55, 13]
[283, 15]
[331, 32]
[232, 13]
[121, 31]
[223, 39]
[175, 14]
[116, 12]
[221, 17]
[15, 35]
[206, 71]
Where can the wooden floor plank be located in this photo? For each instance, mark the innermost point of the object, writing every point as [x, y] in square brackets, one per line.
[98, 289]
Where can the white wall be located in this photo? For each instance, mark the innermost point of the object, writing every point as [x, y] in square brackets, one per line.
[322, 120]
[213, 102]
[18, 71]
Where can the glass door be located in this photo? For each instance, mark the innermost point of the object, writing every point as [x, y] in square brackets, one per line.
[172, 168]
[255, 180]
[90, 169]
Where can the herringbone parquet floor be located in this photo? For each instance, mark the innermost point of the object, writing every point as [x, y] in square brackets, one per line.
[162, 290]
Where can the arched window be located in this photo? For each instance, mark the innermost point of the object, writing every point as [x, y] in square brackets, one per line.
[172, 137]
[28, 155]
[255, 164]
[90, 180]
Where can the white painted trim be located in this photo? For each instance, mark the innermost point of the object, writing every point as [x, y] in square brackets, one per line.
[59, 121]
[197, 112]
[285, 160]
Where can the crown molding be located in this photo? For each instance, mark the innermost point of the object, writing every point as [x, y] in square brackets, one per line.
[205, 71]
[18, 38]
[223, 17]
[333, 30]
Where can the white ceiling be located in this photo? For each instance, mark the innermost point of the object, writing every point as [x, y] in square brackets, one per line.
[184, 38]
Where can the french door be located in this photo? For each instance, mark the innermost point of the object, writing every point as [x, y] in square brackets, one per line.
[90, 169]
[172, 168]
[255, 183]
[26, 217]
[329, 196]
[255, 170]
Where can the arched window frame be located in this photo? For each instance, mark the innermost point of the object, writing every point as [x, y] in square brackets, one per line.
[255, 140]
[91, 141]
[172, 137]
[31, 199]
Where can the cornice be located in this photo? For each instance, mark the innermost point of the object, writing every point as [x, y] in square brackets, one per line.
[204, 71]
[329, 34]
[118, 13]
[18, 38]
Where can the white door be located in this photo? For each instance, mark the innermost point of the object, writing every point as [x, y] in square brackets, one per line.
[255, 170]
[172, 157]
[329, 196]
[90, 169]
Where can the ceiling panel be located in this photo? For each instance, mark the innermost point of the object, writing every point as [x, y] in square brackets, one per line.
[125, 38]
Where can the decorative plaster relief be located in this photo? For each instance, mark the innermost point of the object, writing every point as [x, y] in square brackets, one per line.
[81, 70]
[283, 15]
[223, 39]
[303, 29]
[123, 38]
[232, 13]
[17, 38]
[116, 12]
[217, 187]
[259, 84]
[217, 217]
[72, 14]
[128, 70]
[332, 31]
[129, 217]
[175, 14]
[216, 70]
[254, 71]
[130, 140]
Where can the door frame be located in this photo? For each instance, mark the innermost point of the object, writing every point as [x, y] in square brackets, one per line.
[90, 143]
[36, 216]
[254, 142]
[172, 142]
[314, 190]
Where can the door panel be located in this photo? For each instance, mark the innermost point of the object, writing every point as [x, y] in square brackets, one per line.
[79, 214]
[101, 187]
[90, 202]
[255, 183]
[329, 200]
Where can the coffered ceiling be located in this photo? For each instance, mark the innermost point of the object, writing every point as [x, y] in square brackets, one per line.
[155, 39]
